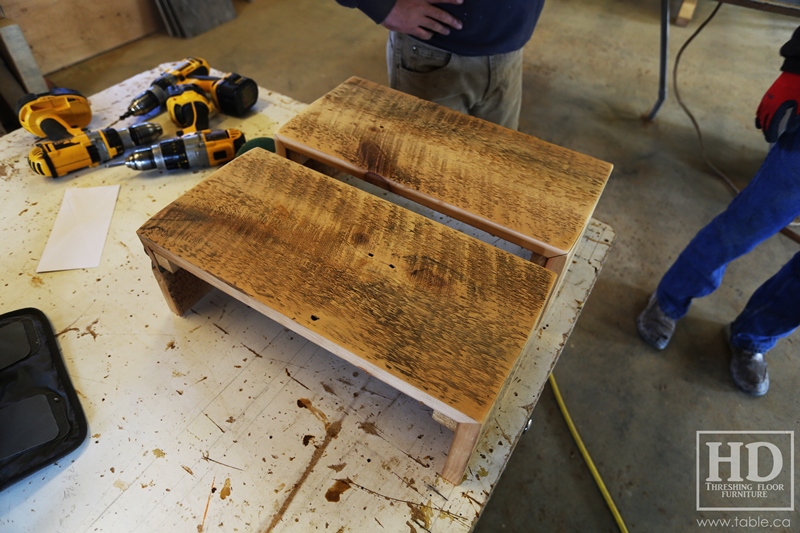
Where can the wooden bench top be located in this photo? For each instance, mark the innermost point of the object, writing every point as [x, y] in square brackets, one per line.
[527, 191]
[435, 313]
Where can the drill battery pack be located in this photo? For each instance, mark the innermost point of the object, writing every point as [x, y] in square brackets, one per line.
[41, 419]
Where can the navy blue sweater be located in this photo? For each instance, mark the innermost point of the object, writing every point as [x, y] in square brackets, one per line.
[489, 26]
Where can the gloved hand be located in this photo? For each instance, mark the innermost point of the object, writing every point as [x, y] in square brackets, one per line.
[778, 110]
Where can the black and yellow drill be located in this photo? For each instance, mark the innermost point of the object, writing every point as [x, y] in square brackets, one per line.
[202, 149]
[156, 95]
[60, 116]
[191, 95]
[88, 149]
[189, 106]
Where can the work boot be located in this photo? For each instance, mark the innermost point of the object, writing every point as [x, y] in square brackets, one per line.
[655, 327]
[748, 369]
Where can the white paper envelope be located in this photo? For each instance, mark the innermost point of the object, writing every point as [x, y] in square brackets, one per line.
[79, 233]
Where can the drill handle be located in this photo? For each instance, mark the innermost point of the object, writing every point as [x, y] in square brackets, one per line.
[57, 130]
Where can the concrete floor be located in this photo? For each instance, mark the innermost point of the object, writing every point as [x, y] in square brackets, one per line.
[591, 72]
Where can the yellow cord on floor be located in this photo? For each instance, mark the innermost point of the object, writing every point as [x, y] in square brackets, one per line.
[586, 457]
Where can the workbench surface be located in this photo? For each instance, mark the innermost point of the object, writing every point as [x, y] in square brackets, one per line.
[216, 421]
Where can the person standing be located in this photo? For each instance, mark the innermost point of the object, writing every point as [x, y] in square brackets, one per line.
[770, 202]
[463, 54]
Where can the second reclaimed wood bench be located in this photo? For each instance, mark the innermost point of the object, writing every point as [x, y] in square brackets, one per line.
[514, 186]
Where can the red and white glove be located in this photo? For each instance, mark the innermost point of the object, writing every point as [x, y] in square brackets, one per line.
[778, 111]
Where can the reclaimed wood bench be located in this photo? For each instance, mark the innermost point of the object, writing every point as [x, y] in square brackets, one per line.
[435, 313]
[514, 186]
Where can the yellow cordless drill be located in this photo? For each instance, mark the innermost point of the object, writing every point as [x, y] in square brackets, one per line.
[61, 116]
[202, 149]
[88, 149]
[156, 95]
[190, 108]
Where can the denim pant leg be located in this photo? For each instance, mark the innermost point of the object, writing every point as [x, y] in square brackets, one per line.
[772, 313]
[768, 204]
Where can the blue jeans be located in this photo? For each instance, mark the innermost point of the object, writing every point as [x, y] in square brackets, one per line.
[769, 203]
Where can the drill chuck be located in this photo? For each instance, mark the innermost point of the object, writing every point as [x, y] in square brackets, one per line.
[140, 134]
[151, 99]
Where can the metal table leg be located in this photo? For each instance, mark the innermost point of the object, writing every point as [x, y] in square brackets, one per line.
[662, 83]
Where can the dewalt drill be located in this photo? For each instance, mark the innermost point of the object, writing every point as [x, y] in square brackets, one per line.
[88, 149]
[202, 149]
[156, 95]
[190, 109]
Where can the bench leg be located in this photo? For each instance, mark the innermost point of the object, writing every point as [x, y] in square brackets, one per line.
[464, 441]
[180, 288]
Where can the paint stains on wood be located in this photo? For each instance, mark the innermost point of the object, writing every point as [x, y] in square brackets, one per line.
[332, 432]
[294, 379]
[252, 351]
[368, 427]
[305, 403]
[90, 330]
[337, 489]
[421, 514]
[226, 489]
[187, 469]
[337, 468]
[66, 330]
[36, 281]
[307, 439]
[159, 453]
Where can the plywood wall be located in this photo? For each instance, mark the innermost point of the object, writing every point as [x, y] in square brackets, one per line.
[65, 32]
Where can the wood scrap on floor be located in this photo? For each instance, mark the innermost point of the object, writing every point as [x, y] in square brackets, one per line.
[686, 12]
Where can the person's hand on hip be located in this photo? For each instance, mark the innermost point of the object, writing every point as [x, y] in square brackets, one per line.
[421, 19]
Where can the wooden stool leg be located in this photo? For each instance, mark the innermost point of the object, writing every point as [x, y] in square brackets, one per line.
[464, 442]
[180, 288]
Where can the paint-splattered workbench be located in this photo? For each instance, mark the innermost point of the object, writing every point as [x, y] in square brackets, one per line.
[223, 420]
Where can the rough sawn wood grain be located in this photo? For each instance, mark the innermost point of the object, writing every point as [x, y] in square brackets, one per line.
[527, 191]
[442, 313]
